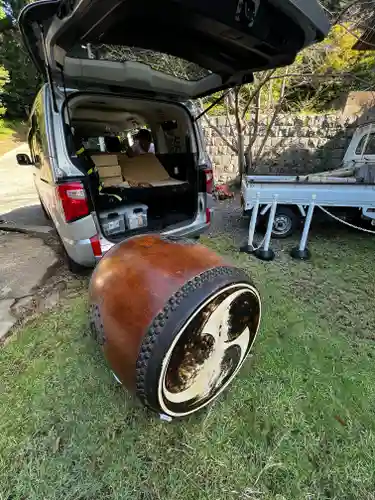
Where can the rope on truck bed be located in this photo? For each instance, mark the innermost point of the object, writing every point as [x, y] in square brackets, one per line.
[344, 222]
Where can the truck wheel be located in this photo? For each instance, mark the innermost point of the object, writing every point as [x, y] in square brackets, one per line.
[285, 223]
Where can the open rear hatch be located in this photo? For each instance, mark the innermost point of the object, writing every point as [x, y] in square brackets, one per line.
[218, 44]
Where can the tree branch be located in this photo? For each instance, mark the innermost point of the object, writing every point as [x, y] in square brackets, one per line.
[232, 131]
[274, 116]
[253, 131]
[358, 37]
[314, 75]
[219, 133]
[256, 91]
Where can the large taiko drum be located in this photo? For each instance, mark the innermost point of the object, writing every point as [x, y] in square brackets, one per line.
[174, 320]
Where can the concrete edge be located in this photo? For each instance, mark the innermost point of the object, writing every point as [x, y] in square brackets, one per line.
[39, 231]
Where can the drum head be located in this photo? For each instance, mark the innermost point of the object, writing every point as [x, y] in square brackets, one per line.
[193, 352]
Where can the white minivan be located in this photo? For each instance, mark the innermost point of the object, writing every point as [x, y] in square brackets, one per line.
[113, 68]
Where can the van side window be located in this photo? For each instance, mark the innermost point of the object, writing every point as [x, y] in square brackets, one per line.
[370, 146]
[35, 139]
[361, 143]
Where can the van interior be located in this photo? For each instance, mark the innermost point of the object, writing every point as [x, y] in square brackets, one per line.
[132, 192]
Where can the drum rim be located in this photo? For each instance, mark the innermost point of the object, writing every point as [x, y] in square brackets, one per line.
[165, 363]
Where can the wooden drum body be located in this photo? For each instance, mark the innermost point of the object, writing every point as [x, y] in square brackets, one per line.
[174, 320]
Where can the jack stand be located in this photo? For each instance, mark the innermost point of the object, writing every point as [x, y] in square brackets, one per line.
[302, 252]
[266, 253]
[263, 254]
[298, 254]
[246, 249]
[249, 247]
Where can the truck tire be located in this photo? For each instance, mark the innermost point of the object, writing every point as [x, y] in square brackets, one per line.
[285, 223]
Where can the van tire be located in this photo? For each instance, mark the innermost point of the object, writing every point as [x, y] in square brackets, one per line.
[74, 267]
[44, 210]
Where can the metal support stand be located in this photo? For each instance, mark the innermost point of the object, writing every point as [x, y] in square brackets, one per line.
[302, 252]
[249, 247]
[266, 253]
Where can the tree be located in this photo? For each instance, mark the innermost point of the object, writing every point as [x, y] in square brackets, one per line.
[319, 75]
[336, 69]
[248, 109]
[336, 6]
[18, 91]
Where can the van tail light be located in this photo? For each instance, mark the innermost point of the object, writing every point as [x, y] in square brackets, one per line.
[208, 215]
[72, 197]
[95, 245]
[209, 180]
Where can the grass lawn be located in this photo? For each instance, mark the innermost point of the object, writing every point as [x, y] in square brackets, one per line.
[297, 423]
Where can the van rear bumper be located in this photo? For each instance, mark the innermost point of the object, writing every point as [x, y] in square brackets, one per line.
[189, 231]
[80, 251]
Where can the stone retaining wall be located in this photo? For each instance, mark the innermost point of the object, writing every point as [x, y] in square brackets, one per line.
[298, 144]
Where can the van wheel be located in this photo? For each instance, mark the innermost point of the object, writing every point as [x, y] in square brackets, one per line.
[74, 267]
[45, 213]
[285, 223]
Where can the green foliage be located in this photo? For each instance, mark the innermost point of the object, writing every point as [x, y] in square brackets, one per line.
[19, 80]
[320, 75]
[3, 80]
[337, 69]
[336, 5]
[20, 89]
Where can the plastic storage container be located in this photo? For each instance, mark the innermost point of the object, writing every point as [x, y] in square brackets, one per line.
[135, 215]
[112, 222]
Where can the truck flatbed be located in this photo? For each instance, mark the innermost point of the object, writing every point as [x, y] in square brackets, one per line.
[290, 190]
[351, 188]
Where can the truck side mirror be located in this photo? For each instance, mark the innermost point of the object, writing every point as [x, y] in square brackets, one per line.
[23, 159]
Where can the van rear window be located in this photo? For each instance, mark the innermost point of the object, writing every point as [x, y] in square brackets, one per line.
[171, 65]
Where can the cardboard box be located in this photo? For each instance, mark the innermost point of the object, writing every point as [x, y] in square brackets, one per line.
[109, 171]
[104, 160]
[111, 181]
[143, 168]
